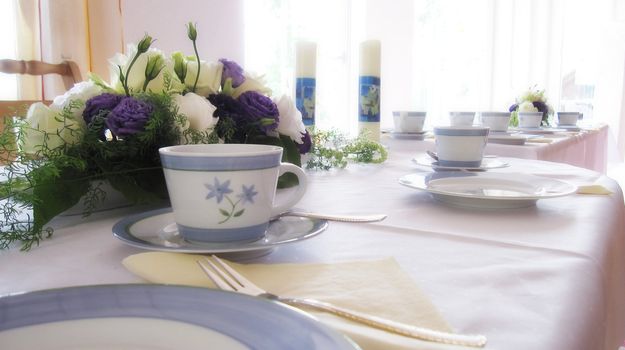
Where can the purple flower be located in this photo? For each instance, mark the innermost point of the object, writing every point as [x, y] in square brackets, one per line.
[128, 117]
[227, 107]
[218, 190]
[541, 106]
[247, 194]
[260, 108]
[306, 144]
[97, 104]
[232, 70]
[513, 108]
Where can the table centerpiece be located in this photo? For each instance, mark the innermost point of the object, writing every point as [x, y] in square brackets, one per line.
[532, 100]
[100, 134]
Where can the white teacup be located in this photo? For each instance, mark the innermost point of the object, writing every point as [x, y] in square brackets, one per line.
[461, 118]
[460, 146]
[225, 192]
[496, 121]
[568, 118]
[530, 119]
[408, 121]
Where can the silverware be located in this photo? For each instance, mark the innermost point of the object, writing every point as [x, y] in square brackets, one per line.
[226, 278]
[432, 154]
[333, 217]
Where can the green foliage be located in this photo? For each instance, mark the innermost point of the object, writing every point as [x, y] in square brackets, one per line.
[37, 187]
[332, 149]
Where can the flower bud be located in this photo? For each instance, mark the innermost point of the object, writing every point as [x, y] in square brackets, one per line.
[180, 65]
[144, 44]
[191, 31]
[154, 67]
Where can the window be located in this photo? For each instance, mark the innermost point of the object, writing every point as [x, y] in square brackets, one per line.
[442, 55]
[8, 82]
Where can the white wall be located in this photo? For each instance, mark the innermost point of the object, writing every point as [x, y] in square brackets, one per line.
[219, 23]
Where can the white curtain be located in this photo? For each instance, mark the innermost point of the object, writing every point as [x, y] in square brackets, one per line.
[442, 55]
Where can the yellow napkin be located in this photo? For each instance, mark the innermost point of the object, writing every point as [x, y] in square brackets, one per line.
[593, 189]
[376, 287]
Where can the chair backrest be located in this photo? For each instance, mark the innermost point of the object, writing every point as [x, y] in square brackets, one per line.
[68, 70]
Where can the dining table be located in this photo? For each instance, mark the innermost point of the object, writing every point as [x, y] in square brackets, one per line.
[549, 275]
[585, 146]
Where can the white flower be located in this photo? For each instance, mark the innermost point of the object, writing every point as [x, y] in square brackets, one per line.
[527, 106]
[198, 110]
[209, 80]
[46, 126]
[290, 119]
[81, 91]
[136, 79]
[252, 83]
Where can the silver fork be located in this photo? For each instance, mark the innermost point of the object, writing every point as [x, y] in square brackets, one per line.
[226, 278]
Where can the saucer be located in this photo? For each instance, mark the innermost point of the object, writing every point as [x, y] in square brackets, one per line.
[570, 127]
[487, 163]
[508, 139]
[409, 135]
[156, 230]
[540, 130]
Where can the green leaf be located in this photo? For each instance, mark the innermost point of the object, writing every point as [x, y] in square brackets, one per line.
[55, 195]
[224, 212]
[238, 213]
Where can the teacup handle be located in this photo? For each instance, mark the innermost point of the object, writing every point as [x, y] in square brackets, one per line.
[299, 193]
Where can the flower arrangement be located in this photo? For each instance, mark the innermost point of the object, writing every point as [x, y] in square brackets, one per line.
[110, 132]
[532, 100]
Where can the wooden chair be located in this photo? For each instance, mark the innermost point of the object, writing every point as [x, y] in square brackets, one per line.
[68, 70]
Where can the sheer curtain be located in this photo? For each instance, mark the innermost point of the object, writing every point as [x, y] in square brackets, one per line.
[442, 55]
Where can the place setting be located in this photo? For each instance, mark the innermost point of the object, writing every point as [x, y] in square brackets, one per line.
[224, 202]
[409, 125]
[460, 176]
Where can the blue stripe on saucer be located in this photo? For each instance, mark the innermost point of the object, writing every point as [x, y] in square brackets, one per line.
[240, 234]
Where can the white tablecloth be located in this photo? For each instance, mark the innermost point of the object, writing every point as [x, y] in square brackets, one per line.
[547, 277]
[587, 148]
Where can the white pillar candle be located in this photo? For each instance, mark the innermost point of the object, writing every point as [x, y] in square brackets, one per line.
[369, 89]
[305, 79]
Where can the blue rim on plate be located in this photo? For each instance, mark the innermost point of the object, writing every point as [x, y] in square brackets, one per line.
[156, 230]
[253, 322]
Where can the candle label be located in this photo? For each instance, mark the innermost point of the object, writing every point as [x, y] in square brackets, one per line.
[369, 99]
[305, 99]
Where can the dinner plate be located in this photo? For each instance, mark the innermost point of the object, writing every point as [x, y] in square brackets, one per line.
[156, 230]
[487, 163]
[488, 190]
[158, 317]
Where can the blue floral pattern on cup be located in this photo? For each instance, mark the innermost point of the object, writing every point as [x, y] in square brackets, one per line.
[221, 190]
